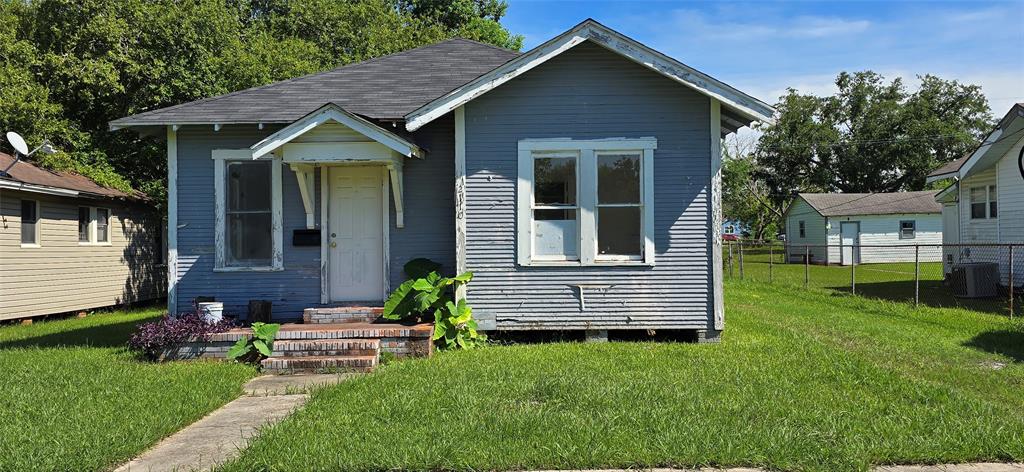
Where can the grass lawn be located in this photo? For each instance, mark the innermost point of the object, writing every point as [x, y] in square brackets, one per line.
[888, 281]
[73, 399]
[803, 380]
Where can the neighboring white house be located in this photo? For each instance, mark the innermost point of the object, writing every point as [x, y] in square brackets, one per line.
[985, 202]
[846, 228]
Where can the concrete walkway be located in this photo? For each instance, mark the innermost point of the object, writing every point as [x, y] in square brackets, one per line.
[219, 436]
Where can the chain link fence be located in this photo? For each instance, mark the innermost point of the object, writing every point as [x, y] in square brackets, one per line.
[982, 277]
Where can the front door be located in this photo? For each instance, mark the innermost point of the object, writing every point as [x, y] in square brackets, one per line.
[849, 235]
[356, 238]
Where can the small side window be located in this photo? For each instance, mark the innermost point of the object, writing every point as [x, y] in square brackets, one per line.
[979, 201]
[84, 218]
[803, 229]
[992, 204]
[908, 229]
[30, 222]
[102, 225]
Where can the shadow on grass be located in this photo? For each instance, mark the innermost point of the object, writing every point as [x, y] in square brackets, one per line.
[1007, 342]
[932, 293]
[104, 335]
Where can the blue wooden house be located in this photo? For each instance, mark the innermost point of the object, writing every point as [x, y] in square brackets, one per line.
[579, 181]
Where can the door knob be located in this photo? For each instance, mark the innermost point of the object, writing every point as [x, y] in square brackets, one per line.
[334, 244]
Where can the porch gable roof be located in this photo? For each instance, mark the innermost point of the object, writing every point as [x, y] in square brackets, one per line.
[334, 112]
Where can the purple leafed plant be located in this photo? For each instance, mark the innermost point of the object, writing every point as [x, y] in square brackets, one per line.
[152, 339]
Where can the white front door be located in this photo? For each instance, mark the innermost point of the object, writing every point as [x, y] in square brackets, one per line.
[355, 239]
[849, 236]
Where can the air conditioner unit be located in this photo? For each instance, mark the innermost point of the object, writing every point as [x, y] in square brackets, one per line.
[974, 279]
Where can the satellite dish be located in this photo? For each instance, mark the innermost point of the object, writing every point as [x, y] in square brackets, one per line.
[18, 142]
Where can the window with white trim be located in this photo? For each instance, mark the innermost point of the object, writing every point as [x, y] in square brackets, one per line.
[983, 202]
[247, 201]
[30, 222]
[586, 202]
[803, 229]
[84, 224]
[102, 225]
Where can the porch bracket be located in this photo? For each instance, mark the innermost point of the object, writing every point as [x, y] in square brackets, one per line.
[304, 175]
[395, 171]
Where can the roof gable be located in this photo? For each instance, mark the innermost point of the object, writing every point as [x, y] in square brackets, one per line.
[745, 107]
[851, 204]
[382, 88]
[334, 113]
[1006, 134]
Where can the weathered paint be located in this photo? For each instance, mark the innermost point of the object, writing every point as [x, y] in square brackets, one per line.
[429, 229]
[592, 93]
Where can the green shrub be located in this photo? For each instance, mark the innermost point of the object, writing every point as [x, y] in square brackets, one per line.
[258, 347]
[427, 293]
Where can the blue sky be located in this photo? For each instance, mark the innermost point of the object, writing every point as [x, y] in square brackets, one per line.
[764, 47]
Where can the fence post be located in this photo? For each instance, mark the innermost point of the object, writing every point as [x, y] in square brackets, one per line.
[741, 259]
[1011, 281]
[730, 259]
[771, 257]
[807, 266]
[853, 271]
[917, 275]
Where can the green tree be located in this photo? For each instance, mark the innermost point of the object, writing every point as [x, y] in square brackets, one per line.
[746, 198]
[873, 135]
[70, 66]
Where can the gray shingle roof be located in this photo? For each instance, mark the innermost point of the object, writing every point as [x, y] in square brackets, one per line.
[851, 204]
[387, 87]
[951, 166]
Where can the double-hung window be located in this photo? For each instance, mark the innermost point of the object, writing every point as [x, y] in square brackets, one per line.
[983, 202]
[29, 222]
[93, 226]
[586, 202]
[908, 229]
[248, 208]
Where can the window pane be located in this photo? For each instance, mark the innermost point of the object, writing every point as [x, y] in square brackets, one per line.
[555, 233]
[978, 201]
[102, 223]
[29, 220]
[618, 178]
[83, 224]
[248, 239]
[992, 200]
[618, 231]
[554, 180]
[248, 186]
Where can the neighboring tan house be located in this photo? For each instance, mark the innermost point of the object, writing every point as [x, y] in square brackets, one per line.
[985, 202]
[861, 228]
[68, 244]
[579, 181]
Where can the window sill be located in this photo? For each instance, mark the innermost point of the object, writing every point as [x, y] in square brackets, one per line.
[94, 244]
[594, 264]
[30, 246]
[248, 269]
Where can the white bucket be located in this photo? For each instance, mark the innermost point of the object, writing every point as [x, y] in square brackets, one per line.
[211, 312]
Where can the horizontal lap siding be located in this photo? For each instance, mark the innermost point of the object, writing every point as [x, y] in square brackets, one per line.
[590, 93]
[291, 290]
[883, 231]
[814, 233]
[429, 187]
[63, 275]
[429, 222]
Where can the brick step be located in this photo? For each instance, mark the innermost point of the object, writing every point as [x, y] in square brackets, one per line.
[335, 331]
[284, 365]
[343, 314]
[326, 347]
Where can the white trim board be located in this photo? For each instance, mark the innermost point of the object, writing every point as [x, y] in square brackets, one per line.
[172, 220]
[332, 112]
[738, 102]
[585, 153]
[715, 234]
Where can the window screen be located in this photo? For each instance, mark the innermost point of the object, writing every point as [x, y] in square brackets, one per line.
[248, 213]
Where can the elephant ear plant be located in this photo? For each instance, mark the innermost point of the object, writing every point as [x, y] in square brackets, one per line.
[428, 294]
[255, 348]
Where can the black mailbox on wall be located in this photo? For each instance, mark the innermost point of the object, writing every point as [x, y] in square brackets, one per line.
[306, 237]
